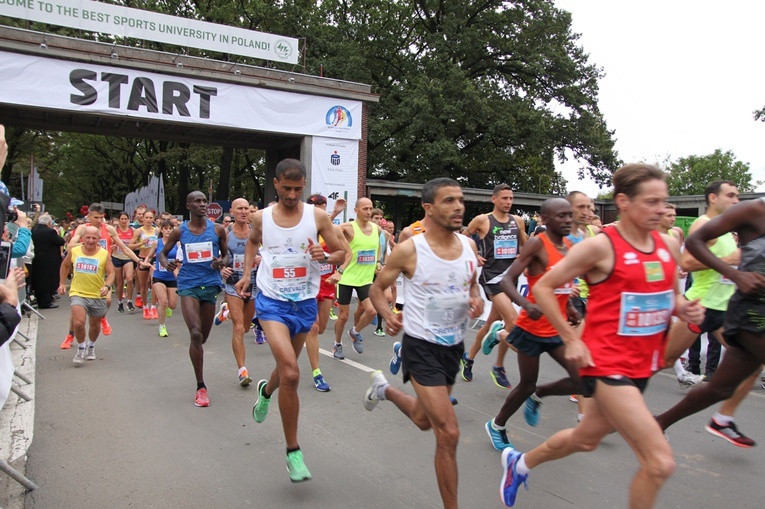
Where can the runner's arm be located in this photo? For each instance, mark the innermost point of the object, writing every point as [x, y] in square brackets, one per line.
[175, 236]
[401, 260]
[509, 283]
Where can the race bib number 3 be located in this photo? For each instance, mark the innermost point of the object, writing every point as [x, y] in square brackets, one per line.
[645, 314]
[199, 252]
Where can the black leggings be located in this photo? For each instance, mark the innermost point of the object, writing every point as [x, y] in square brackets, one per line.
[744, 357]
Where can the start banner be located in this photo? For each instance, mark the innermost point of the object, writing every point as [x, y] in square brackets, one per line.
[89, 88]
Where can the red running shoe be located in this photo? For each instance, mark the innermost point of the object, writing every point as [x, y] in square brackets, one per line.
[105, 327]
[67, 344]
[146, 313]
[138, 302]
[154, 314]
[201, 398]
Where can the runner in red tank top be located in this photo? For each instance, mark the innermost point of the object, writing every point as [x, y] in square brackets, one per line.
[533, 333]
[633, 292]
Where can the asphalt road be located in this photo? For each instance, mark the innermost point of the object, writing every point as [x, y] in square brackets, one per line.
[122, 432]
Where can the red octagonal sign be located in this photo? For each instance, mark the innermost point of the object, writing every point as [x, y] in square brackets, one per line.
[214, 211]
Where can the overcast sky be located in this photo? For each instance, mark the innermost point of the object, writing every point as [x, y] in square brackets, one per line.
[681, 77]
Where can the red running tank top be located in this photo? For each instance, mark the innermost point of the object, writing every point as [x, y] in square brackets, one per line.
[628, 313]
[542, 327]
[106, 240]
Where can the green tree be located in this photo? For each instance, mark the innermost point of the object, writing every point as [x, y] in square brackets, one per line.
[690, 175]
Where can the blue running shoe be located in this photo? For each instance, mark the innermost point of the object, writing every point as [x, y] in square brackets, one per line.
[453, 401]
[531, 412]
[500, 377]
[490, 340]
[498, 437]
[357, 340]
[466, 368]
[511, 479]
[321, 384]
[395, 361]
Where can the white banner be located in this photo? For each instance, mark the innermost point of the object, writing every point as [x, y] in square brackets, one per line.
[153, 26]
[335, 172]
[72, 86]
[153, 196]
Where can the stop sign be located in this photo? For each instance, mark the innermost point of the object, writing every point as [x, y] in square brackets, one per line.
[214, 211]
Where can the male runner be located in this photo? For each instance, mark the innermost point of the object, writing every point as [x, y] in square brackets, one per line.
[357, 275]
[502, 236]
[240, 310]
[326, 296]
[744, 329]
[108, 237]
[533, 334]
[92, 275]
[434, 323]
[198, 280]
[385, 243]
[288, 282]
[632, 274]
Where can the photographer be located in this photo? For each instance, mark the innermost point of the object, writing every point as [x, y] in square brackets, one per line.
[9, 299]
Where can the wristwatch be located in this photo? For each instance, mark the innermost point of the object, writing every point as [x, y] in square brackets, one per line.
[326, 256]
[340, 270]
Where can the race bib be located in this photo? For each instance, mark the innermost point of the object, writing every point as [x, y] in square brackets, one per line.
[505, 247]
[198, 252]
[326, 268]
[725, 281]
[446, 317]
[566, 289]
[290, 275]
[644, 314]
[147, 240]
[102, 243]
[366, 257]
[86, 265]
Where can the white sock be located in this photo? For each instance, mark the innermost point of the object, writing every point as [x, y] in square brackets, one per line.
[242, 370]
[91, 343]
[120, 301]
[722, 420]
[520, 465]
[380, 391]
[579, 417]
[679, 369]
[497, 426]
[353, 330]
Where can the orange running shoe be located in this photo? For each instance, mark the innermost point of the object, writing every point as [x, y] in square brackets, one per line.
[146, 313]
[154, 314]
[67, 344]
[138, 302]
[105, 327]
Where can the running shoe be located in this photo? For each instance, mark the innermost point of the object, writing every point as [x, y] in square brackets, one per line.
[688, 379]
[260, 337]
[296, 467]
[201, 399]
[531, 412]
[168, 312]
[321, 384]
[146, 313]
[105, 327]
[163, 331]
[79, 356]
[500, 377]
[138, 302]
[395, 361]
[120, 307]
[244, 377]
[453, 401]
[67, 343]
[374, 320]
[498, 437]
[574, 398]
[222, 314]
[337, 351]
[380, 333]
[730, 433]
[90, 353]
[511, 479]
[357, 340]
[332, 314]
[130, 306]
[260, 409]
[154, 314]
[466, 368]
[370, 396]
[490, 340]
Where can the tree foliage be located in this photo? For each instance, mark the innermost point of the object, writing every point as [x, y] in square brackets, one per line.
[484, 92]
[690, 175]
